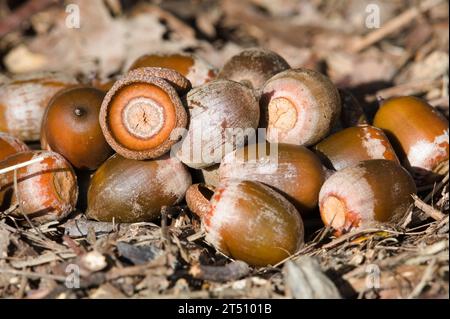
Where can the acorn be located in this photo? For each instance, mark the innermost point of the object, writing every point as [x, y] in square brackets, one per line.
[23, 100]
[195, 69]
[419, 133]
[299, 107]
[46, 187]
[129, 191]
[223, 115]
[353, 145]
[253, 67]
[365, 195]
[71, 127]
[142, 109]
[293, 170]
[253, 223]
[10, 145]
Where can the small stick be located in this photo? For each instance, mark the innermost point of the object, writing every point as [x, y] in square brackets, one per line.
[232, 271]
[29, 274]
[393, 25]
[428, 209]
[20, 165]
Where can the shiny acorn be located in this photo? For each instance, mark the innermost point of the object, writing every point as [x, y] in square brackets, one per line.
[129, 191]
[71, 127]
[253, 223]
[418, 133]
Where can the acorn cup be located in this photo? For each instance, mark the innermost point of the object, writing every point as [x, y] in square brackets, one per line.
[293, 170]
[299, 107]
[23, 100]
[223, 115]
[418, 133]
[251, 222]
[129, 191]
[71, 127]
[10, 145]
[353, 145]
[253, 67]
[365, 195]
[195, 69]
[46, 187]
[141, 112]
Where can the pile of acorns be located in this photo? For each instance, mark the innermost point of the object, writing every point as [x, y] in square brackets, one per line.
[167, 120]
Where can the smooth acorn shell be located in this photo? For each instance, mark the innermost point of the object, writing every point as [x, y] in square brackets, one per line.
[223, 114]
[353, 145]
[142, 110]
[195, 69]
[23, 101]
[364, 195]
[293, 170]
[253, 223]
[130, 191]
[71, 127]
[253, 67]
[419, 134]
[299, 107]
[47, 189]
[10, 145]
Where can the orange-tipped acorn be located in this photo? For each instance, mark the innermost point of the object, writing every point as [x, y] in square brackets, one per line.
[293, 170]
[10, 145]
[299, 107]
[253, 223]
[46, 188]
[419, 134]
[71, 127]
[253, 67]
[371, 192]
[195, 69]
[130, 191]
[140, 112]
[353, 145]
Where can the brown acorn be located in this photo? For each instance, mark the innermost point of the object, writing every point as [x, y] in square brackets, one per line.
[223, 115]
[10, 145]
[71, 127]
[299, 107]
[253, 67]
[418, 133]
[46, 187]
[293, 170]
[129, 191]
[23, 100]
[353, 145]
[371, 192]
[253, 223]
[140, 112]
[195, 69]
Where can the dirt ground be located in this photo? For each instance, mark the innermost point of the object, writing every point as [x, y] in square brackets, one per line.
[406, 55]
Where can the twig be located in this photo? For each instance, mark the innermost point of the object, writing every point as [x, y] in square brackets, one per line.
[30, 274]
[20, 165]
[427, 209]
[393, 25]
[427, 276]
